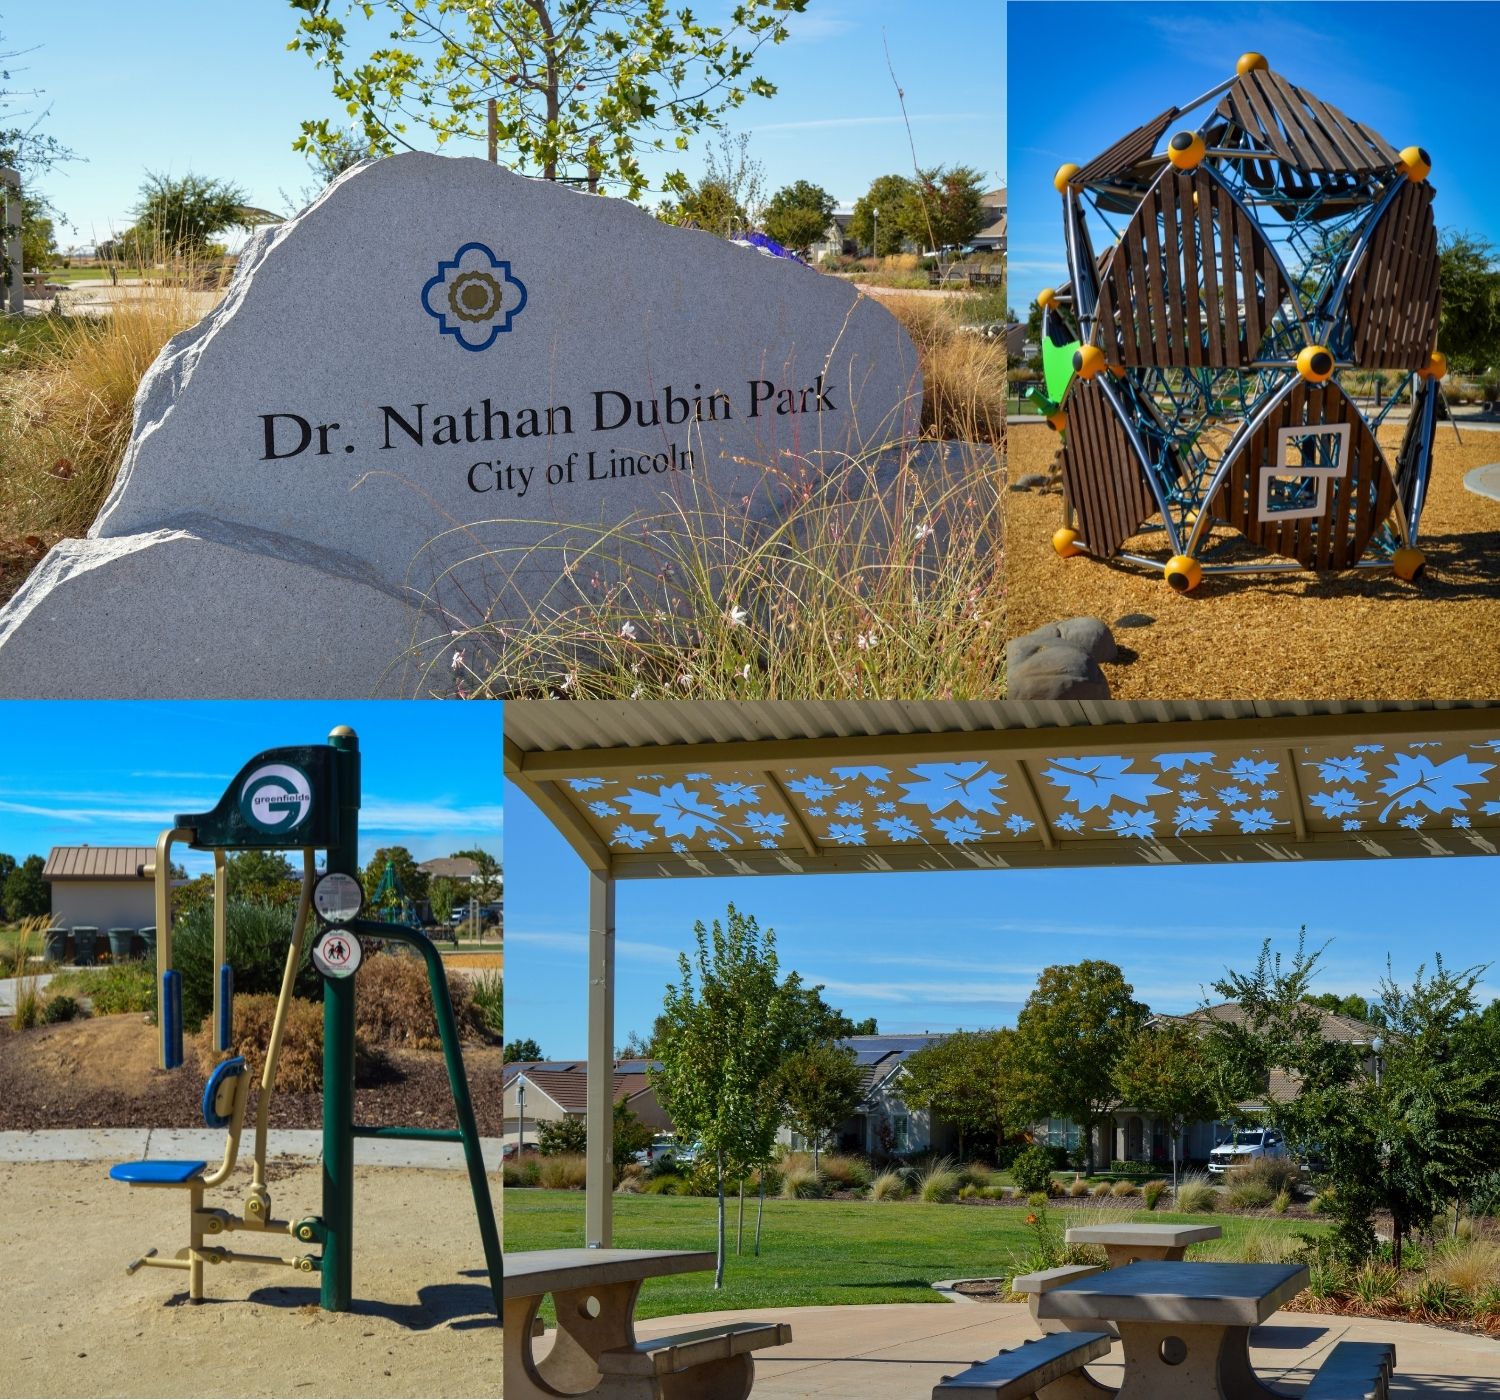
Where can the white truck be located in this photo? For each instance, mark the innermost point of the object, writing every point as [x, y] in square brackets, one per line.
[1247, 1145]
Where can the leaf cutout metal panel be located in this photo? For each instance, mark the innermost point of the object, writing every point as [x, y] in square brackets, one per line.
[1354, 503]
[1102, 472]
[1192, 282]
[1411, 785]
[1393, 301]
[1300, 130]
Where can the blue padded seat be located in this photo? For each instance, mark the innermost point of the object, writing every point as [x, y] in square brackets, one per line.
[223, 1074]
[161, 1173]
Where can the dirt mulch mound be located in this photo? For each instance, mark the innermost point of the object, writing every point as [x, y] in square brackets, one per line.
[1282, 637]
[101, 1073]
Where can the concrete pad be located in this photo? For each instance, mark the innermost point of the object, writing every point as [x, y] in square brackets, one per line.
[8, 987]
[405, 1152]
[208, 1143]
[75, 1145]
[1484, 481]
[900, 1351]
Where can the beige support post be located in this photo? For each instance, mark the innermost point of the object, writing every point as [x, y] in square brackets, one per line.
[600, 1108]
[161, 874]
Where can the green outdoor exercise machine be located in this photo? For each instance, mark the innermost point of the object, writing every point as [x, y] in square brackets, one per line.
[294, 799]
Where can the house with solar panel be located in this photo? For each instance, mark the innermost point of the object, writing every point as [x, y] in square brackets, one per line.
[549, 1091]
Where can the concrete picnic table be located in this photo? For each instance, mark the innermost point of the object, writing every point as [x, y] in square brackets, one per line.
[595, 1292]
[1185, 1328]
[1125, 1244]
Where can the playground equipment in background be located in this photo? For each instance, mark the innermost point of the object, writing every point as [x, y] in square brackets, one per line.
[1193, 367]
[306, 799]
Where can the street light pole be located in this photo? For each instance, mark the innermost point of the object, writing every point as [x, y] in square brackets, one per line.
[875, 245]
[521, 1112]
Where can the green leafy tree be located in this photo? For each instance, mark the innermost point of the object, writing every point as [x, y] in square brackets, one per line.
[949, 207]
[966, 1079]
[727, 1025]
[1354, 1006]
[585, 86]
[1069, 1037]
[562, 1137]
[1469, 277]
[31, 152]
[819, 1087]
[25, 894]
[7, 864]
[895, 198]
[798, 215]
[264, 877]
[709, 205]
[182, 215]
[445, 894]
[1162, 1071]
[414, 880]
[38, 233]
[526, 1049]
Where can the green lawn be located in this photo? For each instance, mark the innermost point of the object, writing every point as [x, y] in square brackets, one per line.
[70, 275]
[814, 1252]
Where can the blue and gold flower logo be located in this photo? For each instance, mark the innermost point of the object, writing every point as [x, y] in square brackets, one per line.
[474, 297]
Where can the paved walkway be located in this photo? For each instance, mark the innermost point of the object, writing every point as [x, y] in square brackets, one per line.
[900, 1351]
[1484, 481]
[8, 991]
[136, 1144]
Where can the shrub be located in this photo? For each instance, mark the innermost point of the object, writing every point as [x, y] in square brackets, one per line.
[258, 936]
[975, 1174]
[562, 1137]
[394, 1006]
[845, 1173]
[1472, 1266]
[1032, 1169]
[889, 1185]
[968, 1191]
[117, 990]
[1248, 1195]
[487, 991]
[61, 1008]
[566, 1173]
[938, 1181]
[1439, 1298]
[702, 1180]
[1373, 1283]
[994, 1193]
[1325, 1278]
[1101, 1188]
[1277, 1173]
[1152, 1192]
[526, 1172]
[801, 1183]
[1078, 1186]
[630, 1185]
[299, 1070]
[1282, 1202]
[1195, 1192]
[1037, 1200]
[664, 1185]
[1124, 1188]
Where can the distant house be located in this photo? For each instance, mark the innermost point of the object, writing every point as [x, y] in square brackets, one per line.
[101, 886]
[558, 1089]
[462, 870]
[1141, 1137]
[991, 237]
[836, 241]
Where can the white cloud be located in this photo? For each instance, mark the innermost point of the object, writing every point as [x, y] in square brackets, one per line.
[577, 944]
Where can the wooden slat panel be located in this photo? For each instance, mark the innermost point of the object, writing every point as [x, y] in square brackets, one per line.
[1189, 234]
[1393, 301]
[1137, 145]
[1354, 506]
[1104, 478]
[1301, 130]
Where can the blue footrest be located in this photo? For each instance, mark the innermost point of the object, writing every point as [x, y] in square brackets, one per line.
[157, 1173]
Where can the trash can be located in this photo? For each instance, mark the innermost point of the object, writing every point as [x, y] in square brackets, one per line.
[120, 940]
[57, 945]
[147, 936]
[84, 939]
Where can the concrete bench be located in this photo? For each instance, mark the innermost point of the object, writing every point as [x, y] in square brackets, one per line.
[713, 1363]
[1050, 1367]
[1043, 1281]
[1354, 1371]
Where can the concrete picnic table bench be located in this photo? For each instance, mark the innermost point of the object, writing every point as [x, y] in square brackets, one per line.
[595, 1351]
[1126, 1244]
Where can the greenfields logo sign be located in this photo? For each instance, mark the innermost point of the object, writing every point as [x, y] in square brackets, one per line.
[276, 797]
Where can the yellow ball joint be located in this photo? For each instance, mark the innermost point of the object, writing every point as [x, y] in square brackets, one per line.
[1065, 542]
[1251, 63]
[1057, 421]
[1315, 364]
[1415, 164]
[1088, 360]
[1409, 564]
[1064, 174]
[1186, 150]
[1046, 297]
[1183, 573]
[1436, 366]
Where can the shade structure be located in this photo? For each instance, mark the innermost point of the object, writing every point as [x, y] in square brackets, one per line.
[654, 790]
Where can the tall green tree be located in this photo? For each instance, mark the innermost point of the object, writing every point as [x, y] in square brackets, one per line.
[25, 894]
[895, 199]
[726, 1026]
[709, 205]
[1469, 277]
[582, 87]
[414, 880]
[264, 877]
[966, 1079]
[798, 215]
[1069, 1038]
[949, 207]
[1162, 1071]
[182, 214]
[819, 1087]
[526, 1049]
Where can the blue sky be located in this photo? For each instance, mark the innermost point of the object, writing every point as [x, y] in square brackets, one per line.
[1417, 74]
[175, 86]
[962, 949]
[116, 773]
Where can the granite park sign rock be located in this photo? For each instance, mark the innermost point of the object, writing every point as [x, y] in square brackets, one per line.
[418, 399]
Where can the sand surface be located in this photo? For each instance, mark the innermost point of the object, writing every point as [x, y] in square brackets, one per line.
[1349, 635]
[78, 1325]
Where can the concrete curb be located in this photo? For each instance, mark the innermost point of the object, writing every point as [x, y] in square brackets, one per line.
[137, 1144]
[1484, 481]
[948, 1288]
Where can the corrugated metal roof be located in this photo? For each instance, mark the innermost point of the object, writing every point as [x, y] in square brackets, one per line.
[97, 862]
[551, 726]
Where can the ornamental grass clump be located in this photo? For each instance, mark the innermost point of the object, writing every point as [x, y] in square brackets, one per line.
[938, 1182]
[1078, 1186]
[802, 1183]
[1195, 1193]
[1152, 1192]
[889, 1185]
